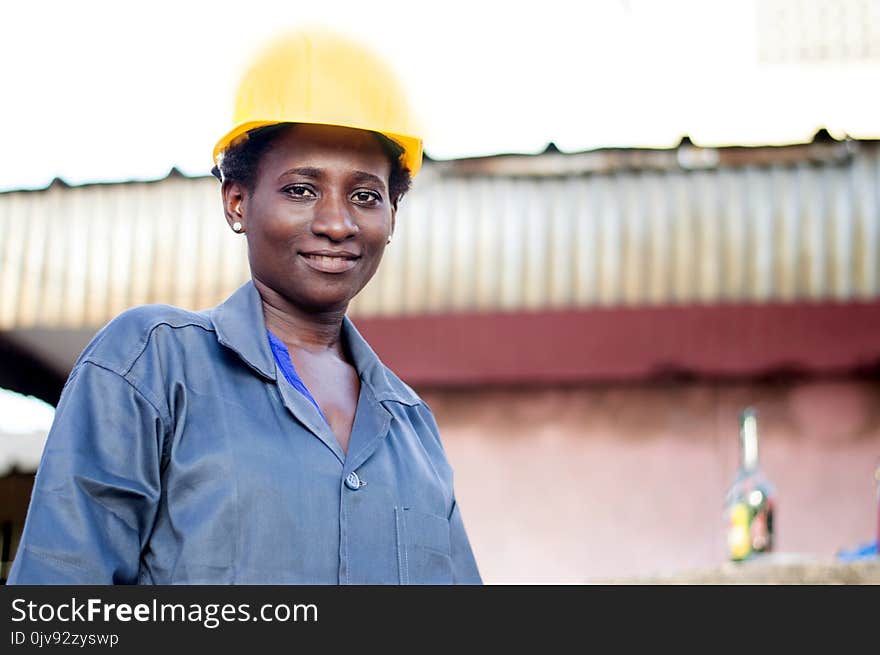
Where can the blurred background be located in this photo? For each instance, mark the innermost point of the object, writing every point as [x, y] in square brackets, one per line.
[635, 219]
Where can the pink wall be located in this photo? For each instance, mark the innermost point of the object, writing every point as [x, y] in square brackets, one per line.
[590, 483]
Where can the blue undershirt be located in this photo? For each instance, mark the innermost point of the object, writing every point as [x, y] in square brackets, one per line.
[285, 363]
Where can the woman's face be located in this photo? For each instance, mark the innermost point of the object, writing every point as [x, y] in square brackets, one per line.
[319, 215]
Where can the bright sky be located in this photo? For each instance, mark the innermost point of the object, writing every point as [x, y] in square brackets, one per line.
[108, 91]
[26, 415]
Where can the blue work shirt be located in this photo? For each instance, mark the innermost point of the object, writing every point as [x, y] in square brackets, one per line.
[180, 455]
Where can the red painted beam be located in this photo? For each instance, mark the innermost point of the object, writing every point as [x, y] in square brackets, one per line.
[629, 344]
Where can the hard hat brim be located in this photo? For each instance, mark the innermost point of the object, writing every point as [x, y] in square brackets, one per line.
[411, 158]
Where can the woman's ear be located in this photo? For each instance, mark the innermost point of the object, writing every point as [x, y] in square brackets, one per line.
[233, 204]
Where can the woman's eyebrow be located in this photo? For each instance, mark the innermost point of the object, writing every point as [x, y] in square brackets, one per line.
[363, 176]
[317, 173]
[305, 171]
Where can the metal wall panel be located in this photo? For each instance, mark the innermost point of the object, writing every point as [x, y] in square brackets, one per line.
[473, 238]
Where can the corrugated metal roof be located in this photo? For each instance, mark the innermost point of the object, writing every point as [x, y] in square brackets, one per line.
[604, 228]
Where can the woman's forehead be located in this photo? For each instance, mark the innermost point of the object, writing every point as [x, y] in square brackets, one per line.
[327, 145]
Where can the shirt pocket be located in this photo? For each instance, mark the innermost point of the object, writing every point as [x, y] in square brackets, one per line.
[423, 549]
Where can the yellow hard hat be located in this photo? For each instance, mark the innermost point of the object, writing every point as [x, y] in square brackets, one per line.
[318, 77]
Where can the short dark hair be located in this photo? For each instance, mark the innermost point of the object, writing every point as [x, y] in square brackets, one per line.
[241, 160]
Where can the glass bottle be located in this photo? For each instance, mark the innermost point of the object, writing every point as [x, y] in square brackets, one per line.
[750, 499]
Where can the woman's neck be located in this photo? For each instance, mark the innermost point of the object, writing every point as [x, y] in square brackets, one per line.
[311, 331]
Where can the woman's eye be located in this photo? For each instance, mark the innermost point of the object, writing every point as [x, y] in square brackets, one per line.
[299, 191]
[366, 197]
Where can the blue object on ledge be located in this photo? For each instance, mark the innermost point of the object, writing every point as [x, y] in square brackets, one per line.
[865, 551]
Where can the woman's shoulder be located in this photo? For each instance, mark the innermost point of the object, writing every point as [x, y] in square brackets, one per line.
[120, 342]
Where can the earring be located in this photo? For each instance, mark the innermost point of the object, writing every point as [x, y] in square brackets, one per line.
[389, 241]
[236, 227]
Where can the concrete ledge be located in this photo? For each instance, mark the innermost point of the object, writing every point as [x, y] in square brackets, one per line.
[785, 569]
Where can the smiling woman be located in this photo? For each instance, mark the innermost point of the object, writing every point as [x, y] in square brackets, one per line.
[262, 441]
[317, 217]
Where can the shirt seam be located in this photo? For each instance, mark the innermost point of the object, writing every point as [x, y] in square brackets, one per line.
[401, 547]
[146, 340]
[236, 546]
[39, 552]
[405, 546]
[344, 527]
[148, 398]
[395, 398]
[166, 420]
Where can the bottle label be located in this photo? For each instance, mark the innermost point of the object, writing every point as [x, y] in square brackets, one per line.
[739, 540]
[750, 528]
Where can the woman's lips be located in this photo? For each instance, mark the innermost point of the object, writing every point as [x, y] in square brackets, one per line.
[330, 263]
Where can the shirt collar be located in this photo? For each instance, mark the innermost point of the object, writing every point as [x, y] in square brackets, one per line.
[382, 382]
[241, 327]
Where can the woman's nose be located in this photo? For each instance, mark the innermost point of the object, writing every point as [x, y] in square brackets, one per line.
[333, 218]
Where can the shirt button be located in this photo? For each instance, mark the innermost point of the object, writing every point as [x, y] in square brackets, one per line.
[352, 481]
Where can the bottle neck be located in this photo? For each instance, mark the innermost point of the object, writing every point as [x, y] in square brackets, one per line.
[749, 435]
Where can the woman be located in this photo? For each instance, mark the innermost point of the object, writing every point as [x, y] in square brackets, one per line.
[262, 441]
